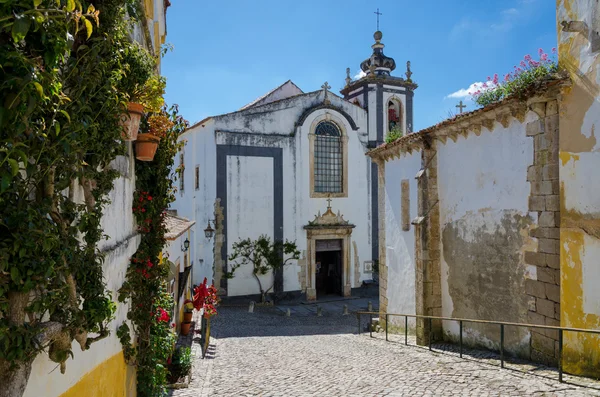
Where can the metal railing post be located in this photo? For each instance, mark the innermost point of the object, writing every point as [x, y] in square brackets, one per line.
[371, 325]
[358, 317]
[460, 326]
[501, 345]
[386, 327]
[406, 330]
[430, 332]
[560, 351]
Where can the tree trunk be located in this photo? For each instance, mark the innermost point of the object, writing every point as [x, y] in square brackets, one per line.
[263, 297]
[14, 382]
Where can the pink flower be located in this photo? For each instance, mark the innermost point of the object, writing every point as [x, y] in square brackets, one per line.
[540, 51]
[495, 78]
[507, 77]
[484, 85]
[554, 50]
[544, 57]
[489, 78]
[523, 64]
[528, 57]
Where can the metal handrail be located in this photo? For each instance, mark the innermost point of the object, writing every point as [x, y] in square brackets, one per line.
[502, 324]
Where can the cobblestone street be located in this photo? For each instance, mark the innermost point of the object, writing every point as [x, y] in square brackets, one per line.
[268, 354]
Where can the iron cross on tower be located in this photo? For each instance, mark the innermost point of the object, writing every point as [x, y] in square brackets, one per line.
[378, 14]
[461, 106]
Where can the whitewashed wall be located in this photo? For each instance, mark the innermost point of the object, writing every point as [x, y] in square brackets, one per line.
[484, 221]
[250, 203]
[119, 225]
[400, 244]
[198, 204]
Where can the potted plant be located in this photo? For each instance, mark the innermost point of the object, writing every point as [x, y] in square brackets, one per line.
[156, 126]
[139, 81]
[188, 313]
[185, 327]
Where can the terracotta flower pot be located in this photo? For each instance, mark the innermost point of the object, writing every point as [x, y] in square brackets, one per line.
[131, 121]
[187, 317]
[145, 147]
[185, 328]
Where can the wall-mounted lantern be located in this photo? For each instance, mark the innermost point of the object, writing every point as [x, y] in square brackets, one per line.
[186, 245]
[209, 232]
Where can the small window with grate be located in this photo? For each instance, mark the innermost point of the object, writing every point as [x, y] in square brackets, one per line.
[328, 161]
[197, 177]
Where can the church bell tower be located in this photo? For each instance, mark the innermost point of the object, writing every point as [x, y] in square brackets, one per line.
[388, 99]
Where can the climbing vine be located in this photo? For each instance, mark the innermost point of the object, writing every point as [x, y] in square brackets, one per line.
[146, 285]
[61, 62]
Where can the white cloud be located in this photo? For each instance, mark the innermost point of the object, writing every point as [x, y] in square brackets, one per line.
[359, 75]
[466, 92]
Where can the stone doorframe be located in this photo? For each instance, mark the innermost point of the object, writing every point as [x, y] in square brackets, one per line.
[328, 226]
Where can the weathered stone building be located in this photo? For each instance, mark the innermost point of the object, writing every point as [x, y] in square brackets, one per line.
[504, 212]
[270, 167]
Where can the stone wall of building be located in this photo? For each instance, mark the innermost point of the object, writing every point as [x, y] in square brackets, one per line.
[543, 285]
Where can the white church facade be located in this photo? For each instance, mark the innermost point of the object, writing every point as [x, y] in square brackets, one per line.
[292, 165]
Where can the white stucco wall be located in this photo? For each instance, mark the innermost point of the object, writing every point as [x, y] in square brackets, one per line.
[400, 244]
[483, 189]
[250, 203]
[118, 224]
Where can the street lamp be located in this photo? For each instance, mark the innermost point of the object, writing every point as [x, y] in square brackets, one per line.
[209, 231]
[186, 245]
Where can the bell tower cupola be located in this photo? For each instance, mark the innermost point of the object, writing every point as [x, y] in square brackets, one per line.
[378, 64]
[387, 99]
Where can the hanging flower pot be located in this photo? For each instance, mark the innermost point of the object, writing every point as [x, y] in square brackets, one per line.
[145, 147]
[185, 328]
[131, 121]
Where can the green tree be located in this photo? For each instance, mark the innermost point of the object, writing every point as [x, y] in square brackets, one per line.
[263, 255]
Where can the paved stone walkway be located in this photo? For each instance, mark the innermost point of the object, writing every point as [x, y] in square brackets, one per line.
[269, 354]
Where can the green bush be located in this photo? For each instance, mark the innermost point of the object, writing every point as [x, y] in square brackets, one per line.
[516, 83]
[181, 363]
[393, 135]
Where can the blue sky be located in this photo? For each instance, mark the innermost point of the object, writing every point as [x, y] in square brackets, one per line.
[226, 54]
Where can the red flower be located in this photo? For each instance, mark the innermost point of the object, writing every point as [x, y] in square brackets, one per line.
[164, 316]
[149, 198]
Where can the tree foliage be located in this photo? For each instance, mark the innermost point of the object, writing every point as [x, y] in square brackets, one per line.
[263, 255]
[61, 62]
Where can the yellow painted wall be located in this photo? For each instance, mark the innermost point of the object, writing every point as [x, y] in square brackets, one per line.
[579, 152]
[112, 378]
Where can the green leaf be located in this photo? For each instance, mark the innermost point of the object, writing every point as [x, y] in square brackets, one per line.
[36, 3]
[88, 27]
[5, 182]
[20, 28]
[57, 128]
[70, 5]
[15, 275]
[39, 88]
[66, 115]
[14, 165]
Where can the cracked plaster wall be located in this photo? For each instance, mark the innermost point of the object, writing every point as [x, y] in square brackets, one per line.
[485, 223]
